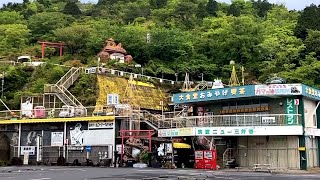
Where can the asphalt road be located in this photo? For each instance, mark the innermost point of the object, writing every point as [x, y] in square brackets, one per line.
[83, 173]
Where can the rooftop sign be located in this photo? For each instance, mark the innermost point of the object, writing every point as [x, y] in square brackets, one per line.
[214, 94]
[246, 91]
[277, 89]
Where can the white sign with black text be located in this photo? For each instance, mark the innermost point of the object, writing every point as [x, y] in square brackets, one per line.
[28, 150]
[56, 138]
[100, 125]
[268, 120]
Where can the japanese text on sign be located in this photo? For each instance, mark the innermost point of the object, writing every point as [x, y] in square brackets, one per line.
[278, 89]
[222, 93]
[225, 131]
[100, 125]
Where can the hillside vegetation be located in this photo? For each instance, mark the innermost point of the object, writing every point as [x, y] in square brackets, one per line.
[195, 36]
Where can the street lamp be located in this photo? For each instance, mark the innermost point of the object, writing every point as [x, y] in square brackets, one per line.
[176, 74]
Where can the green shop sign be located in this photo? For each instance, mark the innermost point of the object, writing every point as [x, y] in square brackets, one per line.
[291, 118]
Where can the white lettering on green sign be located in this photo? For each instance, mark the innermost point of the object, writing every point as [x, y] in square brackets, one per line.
[291, 119]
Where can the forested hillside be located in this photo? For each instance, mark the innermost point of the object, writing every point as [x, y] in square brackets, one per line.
[195, 36]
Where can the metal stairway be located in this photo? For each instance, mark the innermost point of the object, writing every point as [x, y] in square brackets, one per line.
[227, 155]
[150, 119]
[61, 87]
[157, 122]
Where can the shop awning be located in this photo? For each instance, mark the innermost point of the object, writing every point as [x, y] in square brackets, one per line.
[181, 146]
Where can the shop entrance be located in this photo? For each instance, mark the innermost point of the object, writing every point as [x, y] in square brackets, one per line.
[4, 148]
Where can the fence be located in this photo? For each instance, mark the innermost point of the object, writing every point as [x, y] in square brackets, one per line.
[47, 113]
[231, 120]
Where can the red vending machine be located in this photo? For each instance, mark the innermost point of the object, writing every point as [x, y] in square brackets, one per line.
[199, 163]
[206, 159]
[210, 159]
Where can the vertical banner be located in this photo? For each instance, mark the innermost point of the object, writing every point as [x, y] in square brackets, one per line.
[291, 118]
[39, 148]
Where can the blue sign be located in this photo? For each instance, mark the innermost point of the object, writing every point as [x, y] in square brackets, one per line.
[88, 148]
[310, 92]
[214, 94]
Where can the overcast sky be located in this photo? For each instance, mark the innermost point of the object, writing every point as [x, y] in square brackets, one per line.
[291, 4]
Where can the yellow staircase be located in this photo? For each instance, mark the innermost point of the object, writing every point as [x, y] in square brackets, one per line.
[146, 94]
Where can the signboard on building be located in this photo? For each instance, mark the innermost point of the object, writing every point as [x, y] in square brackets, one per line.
[56, 138]
[98, 137]
[249, 131]
[100, 125]
[28, 150]
[311, 92]
[112, 99]
[312, 132]
[234, 131]
[291, 118]
[278, 89]
[177, 132]
[75, 148]
[214, 94]
[268, 120]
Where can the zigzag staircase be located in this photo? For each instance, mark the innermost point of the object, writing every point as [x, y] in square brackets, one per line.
[156, 122]
[61, 87]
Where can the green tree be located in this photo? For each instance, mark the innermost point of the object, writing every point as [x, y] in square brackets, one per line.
[72, 8]
[132, 10]
[262, 7]
[312, 42]
[156, 4]
[11, 17]
[75, 36]
[307, 72]
[231, 38]
[43, 24]
[280, 48]
[212, 7]
[309, 19]
[13, 37]
[240, 7]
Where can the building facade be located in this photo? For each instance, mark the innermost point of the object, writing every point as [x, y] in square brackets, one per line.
[45, 140]
[276, 124]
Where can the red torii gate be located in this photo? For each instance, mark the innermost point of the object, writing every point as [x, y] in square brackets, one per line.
[50, 44]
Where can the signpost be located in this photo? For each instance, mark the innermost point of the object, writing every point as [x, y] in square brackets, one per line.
[88, 149]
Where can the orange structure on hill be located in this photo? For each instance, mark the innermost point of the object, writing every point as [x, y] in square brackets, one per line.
[113, 51]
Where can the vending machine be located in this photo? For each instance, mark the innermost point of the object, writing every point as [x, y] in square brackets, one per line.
[199, 160]
[206, 159]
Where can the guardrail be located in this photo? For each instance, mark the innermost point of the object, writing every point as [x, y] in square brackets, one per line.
[231, 120]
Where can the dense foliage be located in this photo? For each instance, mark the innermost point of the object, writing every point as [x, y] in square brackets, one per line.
[195, 36]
